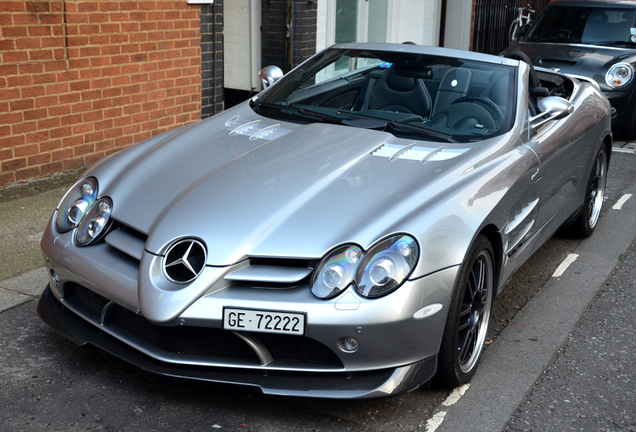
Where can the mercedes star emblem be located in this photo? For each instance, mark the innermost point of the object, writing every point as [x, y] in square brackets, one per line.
[184, 261]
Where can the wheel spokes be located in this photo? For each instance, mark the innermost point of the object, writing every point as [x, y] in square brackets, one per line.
[474, 314]
[597, 189]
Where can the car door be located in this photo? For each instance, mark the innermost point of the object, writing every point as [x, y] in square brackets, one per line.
[560, 146]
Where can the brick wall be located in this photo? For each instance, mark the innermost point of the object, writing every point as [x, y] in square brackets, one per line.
[273, 31]
[304, 22]
[82, 79]
[275, 45]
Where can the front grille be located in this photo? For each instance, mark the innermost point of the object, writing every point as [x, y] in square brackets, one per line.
[198, 341]
[284, 262]
[130, 230]
[93, 301]
[211, 343]
[296, 349]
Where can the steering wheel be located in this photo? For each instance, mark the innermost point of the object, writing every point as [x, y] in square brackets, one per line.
[463, 117]
[492, 108]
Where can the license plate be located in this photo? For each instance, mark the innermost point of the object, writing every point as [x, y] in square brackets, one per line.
[264, 321]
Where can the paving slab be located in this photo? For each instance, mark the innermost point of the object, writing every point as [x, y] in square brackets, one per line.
[10, 299]
[31, 283]
[22, 223]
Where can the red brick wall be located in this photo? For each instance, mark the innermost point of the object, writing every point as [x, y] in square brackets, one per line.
[82, 79]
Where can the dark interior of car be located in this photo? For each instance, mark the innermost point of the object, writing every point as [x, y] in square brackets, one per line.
[460, 99]
[455, 100]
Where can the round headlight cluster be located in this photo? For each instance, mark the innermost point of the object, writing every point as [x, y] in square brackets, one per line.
[75, 204]
[619, 75]
[379, 271]
[335, 272]
[80, 209]
[94, 222]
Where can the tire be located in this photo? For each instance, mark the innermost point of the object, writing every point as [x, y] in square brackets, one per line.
[468, 317]
[587, 219]
[513, 33]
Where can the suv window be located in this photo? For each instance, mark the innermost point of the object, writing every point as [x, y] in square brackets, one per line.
[585, 24]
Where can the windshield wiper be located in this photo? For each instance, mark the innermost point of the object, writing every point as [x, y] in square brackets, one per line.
[404, 126]
[384, 123]
[303, 111]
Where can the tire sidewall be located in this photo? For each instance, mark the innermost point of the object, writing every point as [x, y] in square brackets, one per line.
[449, 370]
[581, 227]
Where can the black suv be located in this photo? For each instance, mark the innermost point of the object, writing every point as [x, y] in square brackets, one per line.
[595, 39]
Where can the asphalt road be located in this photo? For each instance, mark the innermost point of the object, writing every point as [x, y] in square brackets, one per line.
[590, 384]
[539, 355]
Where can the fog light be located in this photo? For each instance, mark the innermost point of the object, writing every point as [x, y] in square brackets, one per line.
[613, 111]
[348, 345]
[54, 277]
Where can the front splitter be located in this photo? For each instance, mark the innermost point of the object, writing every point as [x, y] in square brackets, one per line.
[339, 385]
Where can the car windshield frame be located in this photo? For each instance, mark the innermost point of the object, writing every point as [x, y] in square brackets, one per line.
[296, 96]
[607, 24]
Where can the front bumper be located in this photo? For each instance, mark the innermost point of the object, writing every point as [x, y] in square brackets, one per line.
[99, 296]
[359, 385]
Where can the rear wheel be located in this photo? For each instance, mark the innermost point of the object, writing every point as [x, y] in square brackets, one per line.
[468, 317]
[588, 217]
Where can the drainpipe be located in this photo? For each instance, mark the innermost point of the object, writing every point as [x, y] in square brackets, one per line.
[289, 36]
[442, 25]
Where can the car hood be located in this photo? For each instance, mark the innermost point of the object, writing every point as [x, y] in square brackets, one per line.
[252, 186]
[585, 60]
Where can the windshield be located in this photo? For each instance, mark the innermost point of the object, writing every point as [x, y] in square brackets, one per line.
[409, 95]
[586, 25]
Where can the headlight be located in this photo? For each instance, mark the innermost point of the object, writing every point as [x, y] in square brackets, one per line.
[375, 273]
[75, 204]
[386, 266]
[619, 75]
[335, 272]
[95, 222]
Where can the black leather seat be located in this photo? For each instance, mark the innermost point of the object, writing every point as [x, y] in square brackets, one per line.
[392, 92]
[534, 85]
[455, 84]
[498, 90]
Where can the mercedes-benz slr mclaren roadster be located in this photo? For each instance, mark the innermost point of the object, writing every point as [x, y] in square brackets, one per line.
[342, 234]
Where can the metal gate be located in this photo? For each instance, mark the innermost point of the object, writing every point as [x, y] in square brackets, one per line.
[493, 19]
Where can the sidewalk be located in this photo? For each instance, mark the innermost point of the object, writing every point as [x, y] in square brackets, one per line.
[22, 223]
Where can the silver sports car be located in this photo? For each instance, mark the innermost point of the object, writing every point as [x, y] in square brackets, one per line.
[342, 234]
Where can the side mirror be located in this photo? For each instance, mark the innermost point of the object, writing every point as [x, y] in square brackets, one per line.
[551, 108]
[269, 75]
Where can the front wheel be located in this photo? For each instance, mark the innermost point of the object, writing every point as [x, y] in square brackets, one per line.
[468, 316]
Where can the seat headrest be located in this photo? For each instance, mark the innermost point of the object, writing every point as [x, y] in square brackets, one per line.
[521, 56]
[456, 80]
[400, 83]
